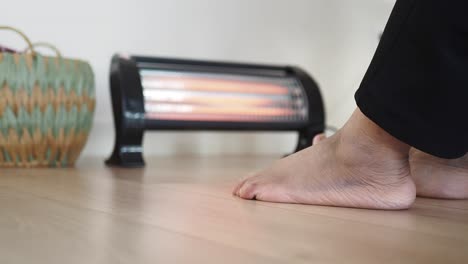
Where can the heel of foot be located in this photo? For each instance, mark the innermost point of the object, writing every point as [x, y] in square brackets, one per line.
[399, 197]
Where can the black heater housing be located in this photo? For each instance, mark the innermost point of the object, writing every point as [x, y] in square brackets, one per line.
[131, 75]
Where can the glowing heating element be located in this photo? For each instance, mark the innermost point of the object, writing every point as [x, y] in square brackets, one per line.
[182, 96]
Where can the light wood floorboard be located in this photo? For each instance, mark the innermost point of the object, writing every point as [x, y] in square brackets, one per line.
[180, 210]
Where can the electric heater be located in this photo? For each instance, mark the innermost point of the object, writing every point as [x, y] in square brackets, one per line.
[172, 94]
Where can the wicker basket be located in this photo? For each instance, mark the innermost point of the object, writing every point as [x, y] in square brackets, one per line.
[46, 108]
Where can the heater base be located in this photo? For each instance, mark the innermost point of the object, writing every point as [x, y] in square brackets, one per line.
[127, 157]
[306, 137]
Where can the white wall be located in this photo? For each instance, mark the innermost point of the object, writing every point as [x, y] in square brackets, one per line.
[333, 40]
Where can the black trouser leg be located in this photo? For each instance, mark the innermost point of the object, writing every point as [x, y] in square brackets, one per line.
[416, 87]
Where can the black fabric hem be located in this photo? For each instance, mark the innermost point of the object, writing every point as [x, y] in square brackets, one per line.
[417, 135]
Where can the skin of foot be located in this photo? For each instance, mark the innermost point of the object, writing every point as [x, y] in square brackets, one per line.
[439, 178]
[435, 177]
[360, 166]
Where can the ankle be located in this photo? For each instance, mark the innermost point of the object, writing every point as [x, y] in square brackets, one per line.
[419, 157]
[363, 134]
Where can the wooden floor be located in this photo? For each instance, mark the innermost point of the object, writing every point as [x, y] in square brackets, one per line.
[181, 211]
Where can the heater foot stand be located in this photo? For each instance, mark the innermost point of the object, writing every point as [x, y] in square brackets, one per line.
[126, 155]
[306, 138]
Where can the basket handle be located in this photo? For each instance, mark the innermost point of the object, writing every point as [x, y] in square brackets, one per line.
[30, 45]
[46, 45]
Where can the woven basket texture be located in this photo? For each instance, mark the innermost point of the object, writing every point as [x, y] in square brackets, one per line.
[46, 109]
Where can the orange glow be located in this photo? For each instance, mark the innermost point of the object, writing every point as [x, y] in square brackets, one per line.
[211, 117]
[222, 101]
[235, 99]
[224, 110]
[202, 84]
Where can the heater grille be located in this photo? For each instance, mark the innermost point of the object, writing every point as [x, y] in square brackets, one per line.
[192, 96]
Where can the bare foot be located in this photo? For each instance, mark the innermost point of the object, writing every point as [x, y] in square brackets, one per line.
[439, 178]
[360, 166]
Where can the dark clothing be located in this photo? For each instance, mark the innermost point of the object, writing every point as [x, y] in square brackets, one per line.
[416, 87]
